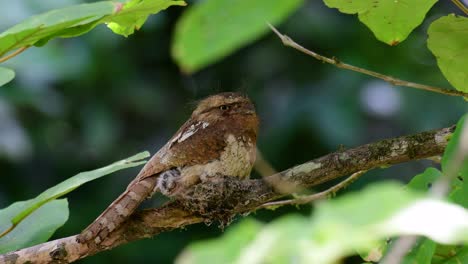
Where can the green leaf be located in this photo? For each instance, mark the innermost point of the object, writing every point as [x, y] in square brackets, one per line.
[448, 41]
[421, 253]
[134, 14]
[459, 192]
[212, 29]
[224, 249]
[460, 257]
[35, 229]
[24, 209]
[424, 181]
[390, 21]
[453, 145]
[445, 253]
[78, 19]
[6, 75]
[39, 27]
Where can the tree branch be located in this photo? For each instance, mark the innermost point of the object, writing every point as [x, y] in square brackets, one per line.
[287, 41]
[221, 199]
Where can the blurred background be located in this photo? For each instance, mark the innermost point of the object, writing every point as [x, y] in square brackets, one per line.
[82, 103]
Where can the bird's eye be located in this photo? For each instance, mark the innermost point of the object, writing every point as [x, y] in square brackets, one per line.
[224, 107]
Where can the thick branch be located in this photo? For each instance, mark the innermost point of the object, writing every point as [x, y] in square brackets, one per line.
[143, 224]
[221, 199]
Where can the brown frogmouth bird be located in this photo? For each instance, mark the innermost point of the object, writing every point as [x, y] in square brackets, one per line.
[218, 139]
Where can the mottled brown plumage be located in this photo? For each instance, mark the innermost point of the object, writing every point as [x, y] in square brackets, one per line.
[218, 139]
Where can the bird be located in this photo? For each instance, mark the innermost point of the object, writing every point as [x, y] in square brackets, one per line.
[219, 138]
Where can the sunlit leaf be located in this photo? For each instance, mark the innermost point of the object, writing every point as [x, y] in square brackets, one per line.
[134, 14]
[390, 21]
[76, 20]
[448, 41]
[42, 26]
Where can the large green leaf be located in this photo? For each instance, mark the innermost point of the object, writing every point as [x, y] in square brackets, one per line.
[6, 75]
[35, 229]
[212, 29]
[134, 14]
[390, 21]
[75, 20]
[12, 216]
[448, 41]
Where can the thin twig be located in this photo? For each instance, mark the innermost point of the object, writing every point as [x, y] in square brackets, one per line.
[316, 196]
[287, 41]
[13, 54]
[460, 5]
[439, 189]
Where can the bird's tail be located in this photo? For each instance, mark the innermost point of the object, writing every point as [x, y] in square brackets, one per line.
[118, 211]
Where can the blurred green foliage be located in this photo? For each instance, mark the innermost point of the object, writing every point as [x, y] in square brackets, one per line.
[79, 103]
[339, 227]
[214, 29]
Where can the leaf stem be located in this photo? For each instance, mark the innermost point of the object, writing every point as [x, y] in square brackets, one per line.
[8, 230]
[287, 41]
[13, 54]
